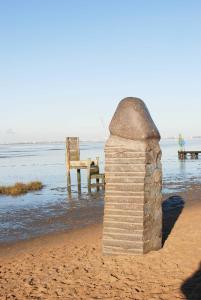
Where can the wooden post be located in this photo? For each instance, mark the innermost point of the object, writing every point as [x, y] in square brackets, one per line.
[68, 179]
[68, 164]
[97, 179]
[182, 155]
[89, 174]
[79, 190]
[78, 177]
[97, 184]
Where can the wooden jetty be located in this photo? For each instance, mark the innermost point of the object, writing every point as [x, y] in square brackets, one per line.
[185, 154]
[73, 162]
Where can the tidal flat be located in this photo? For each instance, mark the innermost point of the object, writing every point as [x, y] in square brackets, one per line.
[53, 209]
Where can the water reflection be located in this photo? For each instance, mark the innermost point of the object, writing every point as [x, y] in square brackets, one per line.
[182, 167]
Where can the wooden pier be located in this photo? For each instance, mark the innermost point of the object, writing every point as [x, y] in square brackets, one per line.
[185, 154]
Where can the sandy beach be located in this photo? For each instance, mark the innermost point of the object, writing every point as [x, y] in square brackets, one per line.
[71, 265]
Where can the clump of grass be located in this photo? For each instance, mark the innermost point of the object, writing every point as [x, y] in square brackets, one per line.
[20, 188]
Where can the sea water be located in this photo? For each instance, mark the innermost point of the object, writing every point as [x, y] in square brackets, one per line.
[53, 209]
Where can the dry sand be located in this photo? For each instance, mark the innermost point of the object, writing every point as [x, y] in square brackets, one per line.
[71, 266]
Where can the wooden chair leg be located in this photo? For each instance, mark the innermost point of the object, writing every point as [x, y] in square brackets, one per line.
[78, 177]
[89, 174]
[97, 184]
[68, 180]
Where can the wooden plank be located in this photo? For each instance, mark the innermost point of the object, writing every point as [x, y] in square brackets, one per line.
[94, 176]
[79, 163]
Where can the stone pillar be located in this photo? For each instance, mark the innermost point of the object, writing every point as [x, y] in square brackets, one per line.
[132, 213]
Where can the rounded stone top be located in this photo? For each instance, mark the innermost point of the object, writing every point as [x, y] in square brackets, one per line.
[133, 121]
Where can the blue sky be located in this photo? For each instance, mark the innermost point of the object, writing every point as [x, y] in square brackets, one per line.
[65, 65]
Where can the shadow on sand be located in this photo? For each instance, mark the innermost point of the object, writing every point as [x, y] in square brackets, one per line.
[172, 208]
[191, 288]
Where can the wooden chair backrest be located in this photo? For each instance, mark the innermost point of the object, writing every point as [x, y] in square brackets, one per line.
[72, 149]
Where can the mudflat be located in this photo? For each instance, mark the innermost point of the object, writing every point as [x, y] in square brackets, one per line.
[71, 265]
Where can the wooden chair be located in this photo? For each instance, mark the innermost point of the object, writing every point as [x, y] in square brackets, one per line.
[73, 162]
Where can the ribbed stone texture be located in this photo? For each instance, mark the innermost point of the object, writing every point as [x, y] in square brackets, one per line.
[132, 213]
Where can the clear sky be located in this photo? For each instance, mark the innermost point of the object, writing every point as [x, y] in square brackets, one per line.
[65, 65]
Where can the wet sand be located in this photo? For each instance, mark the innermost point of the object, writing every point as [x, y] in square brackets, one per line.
[71, 266]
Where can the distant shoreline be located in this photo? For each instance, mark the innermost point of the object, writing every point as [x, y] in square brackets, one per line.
[87, 141]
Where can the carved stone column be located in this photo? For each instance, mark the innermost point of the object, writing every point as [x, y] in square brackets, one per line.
[132, 213]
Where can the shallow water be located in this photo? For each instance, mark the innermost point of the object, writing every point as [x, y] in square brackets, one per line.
[53, 209]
